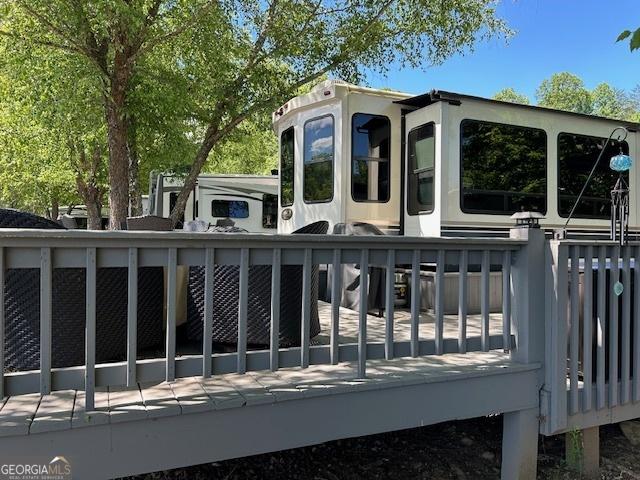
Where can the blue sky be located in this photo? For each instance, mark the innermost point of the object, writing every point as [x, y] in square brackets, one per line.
[550, 36]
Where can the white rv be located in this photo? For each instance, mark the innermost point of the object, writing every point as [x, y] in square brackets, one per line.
[443, 164]
[250, 201]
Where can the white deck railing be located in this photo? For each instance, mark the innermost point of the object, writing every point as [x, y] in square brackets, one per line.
[49, 249]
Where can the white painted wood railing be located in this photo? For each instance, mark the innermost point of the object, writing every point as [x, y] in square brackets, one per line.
[48, 250]
[593, 330]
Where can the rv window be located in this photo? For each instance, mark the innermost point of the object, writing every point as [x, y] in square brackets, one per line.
[229, 209]
[421, 169]
[318, 160]
[370, 153]
[576, 156]
[287, 160]
[504, 168]
[270, 211]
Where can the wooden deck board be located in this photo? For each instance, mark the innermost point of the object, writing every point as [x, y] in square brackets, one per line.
[125, 404]
[54, 412]
[252, 391]
[99, 416]
[191, 396]
[17, 413]
[222, 393]
[159, 400]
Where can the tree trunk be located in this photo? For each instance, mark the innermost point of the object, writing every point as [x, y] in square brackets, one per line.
[55, 209]
[118, 144]
[88, 186]
[135, 194]
[94, 213]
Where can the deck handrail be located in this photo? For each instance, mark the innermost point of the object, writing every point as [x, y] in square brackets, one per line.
[50, 249]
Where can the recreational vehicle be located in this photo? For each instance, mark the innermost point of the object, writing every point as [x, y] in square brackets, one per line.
[250, 201]
[444, 164]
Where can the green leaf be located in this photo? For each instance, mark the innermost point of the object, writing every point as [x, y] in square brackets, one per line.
[635, 40]
[623, 35]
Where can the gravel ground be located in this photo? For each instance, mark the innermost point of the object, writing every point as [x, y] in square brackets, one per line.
[455, 450]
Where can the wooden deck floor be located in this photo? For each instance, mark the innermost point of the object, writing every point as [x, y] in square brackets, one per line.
[61, 410]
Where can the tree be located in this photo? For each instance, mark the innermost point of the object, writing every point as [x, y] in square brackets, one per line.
[233, 59]
[510, 95]
[612, 103]
[634, 38]
[565, 91]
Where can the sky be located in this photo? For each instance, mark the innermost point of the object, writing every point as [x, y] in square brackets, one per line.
[551, 36]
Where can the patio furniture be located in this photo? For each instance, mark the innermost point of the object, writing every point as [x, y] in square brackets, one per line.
[350, 293]
[226, 293]
[22, 309]
[149, 222]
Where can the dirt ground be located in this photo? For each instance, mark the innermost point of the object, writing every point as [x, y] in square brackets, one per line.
[459, 450]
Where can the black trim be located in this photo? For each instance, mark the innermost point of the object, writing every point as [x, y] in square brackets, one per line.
[333, 157]
[388, 161]
[403, 146]
[434, 96]
[461, 177]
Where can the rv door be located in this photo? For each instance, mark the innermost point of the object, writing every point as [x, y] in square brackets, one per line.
[423, 171]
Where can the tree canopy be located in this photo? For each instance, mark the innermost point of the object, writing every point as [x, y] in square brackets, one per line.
[510, 95]
[174, 80]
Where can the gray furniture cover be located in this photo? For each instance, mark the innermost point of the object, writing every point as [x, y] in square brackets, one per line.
[22, 309]
[225, 300]
[350, 293]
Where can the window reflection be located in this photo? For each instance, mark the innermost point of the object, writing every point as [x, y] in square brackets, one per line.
[287, 161]
[370, 165]
[421, 169]
[318, 160]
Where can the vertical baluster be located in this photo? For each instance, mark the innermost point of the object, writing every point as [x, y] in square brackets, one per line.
[484, 300]
[613, 328]
[559, 335]
[207, 323]
[574, 331]
[601, 334]
[306, 308]
[90, 331]
[636, 324]
[506, 301]
[132, 317]
[2, 320]
[587, 326]
[389, 304]
[415, 303]
[243, 311]
[336, 299]
[439, 306]
[45, 321]
[462, 301]
[172, 259]
[626, 326]
[275, 309]
[362, 317]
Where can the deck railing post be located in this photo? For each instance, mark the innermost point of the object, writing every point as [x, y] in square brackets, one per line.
[520, 430]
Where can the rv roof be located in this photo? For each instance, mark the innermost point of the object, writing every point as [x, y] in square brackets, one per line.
[429, 98]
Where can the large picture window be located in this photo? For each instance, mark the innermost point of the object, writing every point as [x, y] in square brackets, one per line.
[504, 168]
[318, 160]
[370, 158]
[421, 169]
[576, 156]
[287, 167]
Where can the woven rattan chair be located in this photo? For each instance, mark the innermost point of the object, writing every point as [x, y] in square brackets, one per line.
[22, 309]
[225, 300]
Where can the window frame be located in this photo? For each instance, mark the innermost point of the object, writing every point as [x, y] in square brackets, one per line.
[410, 172]
[461, 164]
[576, 215]
[333, 158]
[388, 162]
[228, 204]
[293, 169]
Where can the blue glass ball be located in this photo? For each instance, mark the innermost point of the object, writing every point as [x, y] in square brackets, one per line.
[621, 163]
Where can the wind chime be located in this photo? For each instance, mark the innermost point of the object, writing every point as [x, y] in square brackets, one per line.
[620, 199]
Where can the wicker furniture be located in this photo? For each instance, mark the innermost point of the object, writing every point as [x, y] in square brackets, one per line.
[22, 309]
[225, 301]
